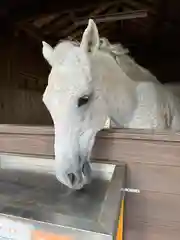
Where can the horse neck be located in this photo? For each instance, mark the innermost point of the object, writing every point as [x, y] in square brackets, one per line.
[119, 91]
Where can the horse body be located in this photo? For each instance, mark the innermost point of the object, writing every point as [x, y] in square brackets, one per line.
[90, 82]
[135, 97]
[157, 108]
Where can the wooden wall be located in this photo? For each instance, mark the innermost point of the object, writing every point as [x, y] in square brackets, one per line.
[154, 168]
[23, 78]
[153, 162]
[18, 106]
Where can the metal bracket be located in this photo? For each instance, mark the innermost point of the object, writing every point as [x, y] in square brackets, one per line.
[130, 190]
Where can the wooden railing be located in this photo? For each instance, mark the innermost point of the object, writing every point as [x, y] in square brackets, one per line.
[153, 160]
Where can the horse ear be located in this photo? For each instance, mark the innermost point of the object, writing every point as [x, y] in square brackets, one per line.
[47, 51]
[90, 40]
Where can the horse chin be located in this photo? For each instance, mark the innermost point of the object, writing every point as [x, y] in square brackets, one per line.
[79, 187]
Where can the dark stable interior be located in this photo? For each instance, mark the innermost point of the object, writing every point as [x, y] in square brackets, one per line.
[153, 41]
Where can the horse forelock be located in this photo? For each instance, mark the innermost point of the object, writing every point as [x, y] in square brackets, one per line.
[116, 50]
[66, 47]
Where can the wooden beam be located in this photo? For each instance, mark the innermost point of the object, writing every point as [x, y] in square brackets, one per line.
[94, 13]
[35, 8]
[153, 166]
[32, 32]
[134, 5]
[109, 8]
[39, 140]
[115, 17]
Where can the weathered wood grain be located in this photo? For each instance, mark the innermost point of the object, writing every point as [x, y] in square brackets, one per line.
[145, 231]
[116, 133]
[154, 178]
[155, 208]
[32, 140]
[153, 161]
[138, 151]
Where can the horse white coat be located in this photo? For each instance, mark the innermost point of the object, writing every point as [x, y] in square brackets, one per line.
[90, 82]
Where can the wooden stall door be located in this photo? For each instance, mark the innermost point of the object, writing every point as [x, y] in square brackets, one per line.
[153, 161]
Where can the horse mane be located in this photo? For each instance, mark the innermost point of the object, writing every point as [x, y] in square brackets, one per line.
[122, 58]
[116, 50]
[126, 62]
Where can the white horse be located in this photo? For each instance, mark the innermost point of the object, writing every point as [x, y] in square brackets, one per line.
[90, 82]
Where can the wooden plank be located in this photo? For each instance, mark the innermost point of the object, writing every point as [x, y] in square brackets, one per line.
[27, 144]
[154, 208]
[144, 231]
[26, 129]
[32, 31]
[153, 166]
[115, 133]
[142, 151]
[154, 178]
[39, 141]
[140, 134]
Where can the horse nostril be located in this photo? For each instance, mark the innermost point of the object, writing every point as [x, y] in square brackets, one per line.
[86, 169]
[72, 178]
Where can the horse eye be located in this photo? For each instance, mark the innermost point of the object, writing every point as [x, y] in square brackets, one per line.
[83, 100]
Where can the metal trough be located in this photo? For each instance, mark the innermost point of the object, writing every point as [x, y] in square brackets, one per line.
[34, 205]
